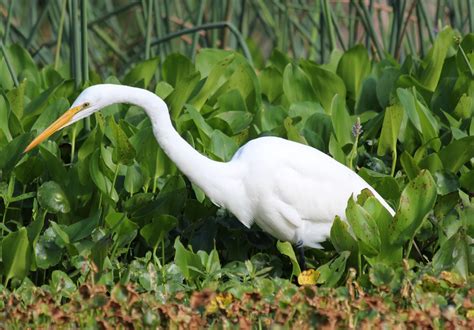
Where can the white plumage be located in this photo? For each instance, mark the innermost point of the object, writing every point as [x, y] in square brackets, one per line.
[290, 190]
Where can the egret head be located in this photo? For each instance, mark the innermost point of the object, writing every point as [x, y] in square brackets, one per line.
[89, 101]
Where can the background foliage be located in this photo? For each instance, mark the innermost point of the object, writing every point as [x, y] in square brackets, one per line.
[100, 204]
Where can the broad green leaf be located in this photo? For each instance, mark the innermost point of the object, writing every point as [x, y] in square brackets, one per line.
[353, 68]
[364, 227]
[432, 64]
[100, 179]
[61, 283]
[124, 152]
[286, 249]
[133, 179]
[16, 255]
[120, 224]
[417, 199]
[47, 252]
[177, 68]
[187, 261]
[385, 85]
[457, 153]
[384, 184]
[465, 107]
[215, 80]
[163, 89]
[23, 64]
[390, 254]
[326, 84]
[420, 116]
[222, 146]
[292, 132]
[16, 98]
[271, 81]
[157, 229]
[13, 151]
[341, 121]
[53, 198]
[381, 275]
[82, 228]
[409, 165]
[62, 237]
[296, 84]
[341, 237]
[235, 121]
[142, 73]
[4, 114]
[331, 272]
[390, 129]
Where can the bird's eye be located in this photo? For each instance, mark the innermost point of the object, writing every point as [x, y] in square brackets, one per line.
[86, 104]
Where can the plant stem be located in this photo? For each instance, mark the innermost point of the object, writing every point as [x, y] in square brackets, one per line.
[60, 35]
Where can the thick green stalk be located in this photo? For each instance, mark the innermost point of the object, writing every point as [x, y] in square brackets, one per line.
[200, 14]
[10, 68]
[330, 25]
[7, 23]
[37, 24]
[149, 26]
[84, 47]
[60, 35]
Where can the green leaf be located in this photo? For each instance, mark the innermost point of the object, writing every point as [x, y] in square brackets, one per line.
[101, 180]
[432, 64]
[417, 199]
[61, 283]
[271, 81]
[213, 82]
[331, 272]
[187, 261]
[47, 252]
[326, 84]
[142, 73]
[82, 228]
[296, 84]
[464, 108]
[381, 275]
[364, 227]
[341, 237]
[222, 146]
[177, 69]
[16, 255]
[353, 68]
[124, 152]
[13, 151]
[286, 249]
[420, 116]
[390, 128]
[157, 229]
[16, 98]
[409, 165]
[133, 179]
[457, 153]
[53, 198]
[341, 121]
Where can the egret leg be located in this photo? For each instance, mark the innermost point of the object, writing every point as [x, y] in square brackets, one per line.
[301, 259]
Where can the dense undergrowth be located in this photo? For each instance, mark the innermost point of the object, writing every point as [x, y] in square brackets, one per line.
[100, 204]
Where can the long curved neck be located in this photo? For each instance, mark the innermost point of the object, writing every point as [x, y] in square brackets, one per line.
[211, 176]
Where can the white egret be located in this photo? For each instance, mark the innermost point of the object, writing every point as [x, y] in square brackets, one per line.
[292, 191]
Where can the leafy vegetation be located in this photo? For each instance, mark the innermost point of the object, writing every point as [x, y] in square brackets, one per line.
[100, 221]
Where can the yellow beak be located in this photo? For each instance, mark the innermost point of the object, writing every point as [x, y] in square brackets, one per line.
[54, 127]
